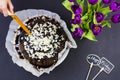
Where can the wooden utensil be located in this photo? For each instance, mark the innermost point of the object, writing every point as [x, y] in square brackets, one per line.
[16, 18]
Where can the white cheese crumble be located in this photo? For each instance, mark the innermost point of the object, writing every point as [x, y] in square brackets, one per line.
[41, 45]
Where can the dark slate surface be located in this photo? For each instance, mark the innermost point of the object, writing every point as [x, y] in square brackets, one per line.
[75, 66]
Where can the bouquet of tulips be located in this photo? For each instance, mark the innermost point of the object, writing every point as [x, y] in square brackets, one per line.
[89, 16]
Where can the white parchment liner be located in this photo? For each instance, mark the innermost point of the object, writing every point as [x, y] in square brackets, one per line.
[10, 41]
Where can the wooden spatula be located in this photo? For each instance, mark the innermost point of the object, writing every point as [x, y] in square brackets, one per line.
[16, 18]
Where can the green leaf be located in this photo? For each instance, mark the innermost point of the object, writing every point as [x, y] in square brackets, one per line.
[73, 15]
[89, 35]
[109, 25]
[89, 7]
[78, 2]
[73, 27]
[106, 23]
[81, 3]
[99, 1]
[91, 16]
[94, 7]
[82, 36]
[86, 25]
[67, 4]
[94, 19]
[85, 17]
[105, 10]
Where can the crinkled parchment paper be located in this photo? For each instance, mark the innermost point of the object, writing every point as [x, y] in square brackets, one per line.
[10, 41]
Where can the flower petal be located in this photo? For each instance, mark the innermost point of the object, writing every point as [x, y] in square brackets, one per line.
[96, 29]
[115, 18]
[92, 1]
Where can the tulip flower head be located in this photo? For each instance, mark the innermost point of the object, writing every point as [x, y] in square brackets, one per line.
[76, 9]
[78, 32]
[115, 18]
[76, 20]
[96, 29]
[99, 16]
[115, 6]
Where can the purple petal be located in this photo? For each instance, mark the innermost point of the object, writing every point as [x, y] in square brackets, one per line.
[96, 29]
[115, 18]
[115, 6]
[76, 20]
[92, 1]
[78, 32]
[99, 16]
[71, 0]
[76, 9]
[106, 1]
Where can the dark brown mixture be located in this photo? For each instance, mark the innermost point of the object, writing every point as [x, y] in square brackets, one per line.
[44, 62]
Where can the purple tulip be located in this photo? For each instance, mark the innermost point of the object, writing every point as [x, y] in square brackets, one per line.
[106, 1]
[92, 1]
[96, 29]
[71, 0]
[76, 9]
[99, 16]
[115, 6]
[76, 20]
[78, 32]
[115, 18]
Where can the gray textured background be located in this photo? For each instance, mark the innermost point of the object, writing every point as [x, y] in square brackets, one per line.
[75, 66]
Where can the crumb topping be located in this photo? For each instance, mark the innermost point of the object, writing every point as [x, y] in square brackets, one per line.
[41, 42]
[47, 39]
